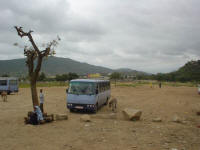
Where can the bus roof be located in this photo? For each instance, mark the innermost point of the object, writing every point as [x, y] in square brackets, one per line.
[8, 78]
[89, 80]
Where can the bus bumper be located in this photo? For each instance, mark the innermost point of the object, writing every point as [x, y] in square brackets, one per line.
[88, 107]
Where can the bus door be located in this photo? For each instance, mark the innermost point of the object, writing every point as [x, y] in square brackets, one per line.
[98, 96]
[102, 94]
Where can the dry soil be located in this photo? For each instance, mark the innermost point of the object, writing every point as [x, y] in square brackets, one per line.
[106, 134]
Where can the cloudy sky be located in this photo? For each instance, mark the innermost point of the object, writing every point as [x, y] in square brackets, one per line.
[146, 35]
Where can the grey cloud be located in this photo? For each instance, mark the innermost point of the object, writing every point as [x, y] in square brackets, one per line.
[153, 36]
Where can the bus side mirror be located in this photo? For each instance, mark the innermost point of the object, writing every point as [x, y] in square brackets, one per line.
[97, 91]
[67, 90]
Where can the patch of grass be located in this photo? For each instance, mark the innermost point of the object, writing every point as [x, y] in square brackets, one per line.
[24, 85]
[178, 84]
[129, 84]
[155, 83]
[126, 84]
[44, 84]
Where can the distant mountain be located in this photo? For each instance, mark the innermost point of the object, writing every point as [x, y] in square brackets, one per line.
[128, 71]
[13, 67]
[56, 65]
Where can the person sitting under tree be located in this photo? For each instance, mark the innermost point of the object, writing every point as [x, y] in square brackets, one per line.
[198, 88]
[35, 117]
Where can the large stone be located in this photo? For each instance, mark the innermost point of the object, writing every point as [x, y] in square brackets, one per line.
[132, 114]
[61, 117]
[85, 118]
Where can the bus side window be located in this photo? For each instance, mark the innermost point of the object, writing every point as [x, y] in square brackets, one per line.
[3, 82]
[101, 87]
[97, 89]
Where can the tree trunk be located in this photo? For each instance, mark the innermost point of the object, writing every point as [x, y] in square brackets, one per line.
[34, 94]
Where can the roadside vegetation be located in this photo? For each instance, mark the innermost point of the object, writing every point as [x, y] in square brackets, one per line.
[154, 83]
[44, 81]
[118, 83]
[44, 84]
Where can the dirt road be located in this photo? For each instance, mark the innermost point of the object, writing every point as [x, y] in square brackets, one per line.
[106, 134]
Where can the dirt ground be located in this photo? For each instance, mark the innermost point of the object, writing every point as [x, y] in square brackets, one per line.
[106, 134]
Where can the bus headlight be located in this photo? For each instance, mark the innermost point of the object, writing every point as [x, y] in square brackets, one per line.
[69, 104]
[90, 106]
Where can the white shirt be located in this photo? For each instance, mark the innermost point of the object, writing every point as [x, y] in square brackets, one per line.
[41, 98]
[199, 89]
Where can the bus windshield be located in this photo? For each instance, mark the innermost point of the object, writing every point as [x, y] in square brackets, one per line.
[82, 88]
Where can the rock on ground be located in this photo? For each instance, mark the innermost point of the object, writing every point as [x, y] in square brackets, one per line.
[105, 116]
[61, 117]
[132, 114]
[198, 113]
[157, 120]
[85, 118]
[177, 119]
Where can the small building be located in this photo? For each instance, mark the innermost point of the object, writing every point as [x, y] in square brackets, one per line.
[94, 75]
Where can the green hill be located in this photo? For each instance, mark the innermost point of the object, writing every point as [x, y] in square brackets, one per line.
[189, 72]
[53, 66]
[13, 67]
[58, 65]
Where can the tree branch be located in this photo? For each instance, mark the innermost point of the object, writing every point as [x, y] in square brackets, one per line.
[21, 33]
[33, 52]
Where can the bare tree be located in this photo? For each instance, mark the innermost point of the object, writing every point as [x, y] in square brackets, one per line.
[33, 54]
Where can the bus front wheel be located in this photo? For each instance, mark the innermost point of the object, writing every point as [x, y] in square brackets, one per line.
[96, 108]
[71, 110]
